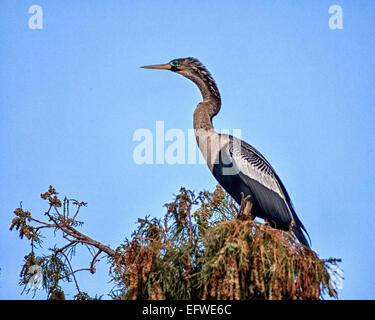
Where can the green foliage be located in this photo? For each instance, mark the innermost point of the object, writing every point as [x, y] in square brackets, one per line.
[198, 250]
[208, 254]
[55, 267]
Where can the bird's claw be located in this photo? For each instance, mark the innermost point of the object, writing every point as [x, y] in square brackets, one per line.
[244, 213]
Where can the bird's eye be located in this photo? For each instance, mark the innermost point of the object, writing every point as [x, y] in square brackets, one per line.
[174, 63]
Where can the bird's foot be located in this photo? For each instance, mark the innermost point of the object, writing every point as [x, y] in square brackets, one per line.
[244, 213]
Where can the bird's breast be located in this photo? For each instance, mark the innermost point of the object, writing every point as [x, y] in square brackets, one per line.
[210, 144]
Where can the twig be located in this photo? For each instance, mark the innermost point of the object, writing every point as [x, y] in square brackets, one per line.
[72, 273]
[68, 229]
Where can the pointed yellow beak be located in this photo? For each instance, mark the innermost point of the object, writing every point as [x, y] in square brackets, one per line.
[158, 66]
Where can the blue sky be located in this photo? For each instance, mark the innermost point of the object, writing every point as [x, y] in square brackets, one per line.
[72, 95]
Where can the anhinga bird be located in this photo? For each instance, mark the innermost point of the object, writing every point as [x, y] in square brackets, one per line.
[240, 169]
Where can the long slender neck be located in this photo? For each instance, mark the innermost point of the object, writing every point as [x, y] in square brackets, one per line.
[207, 138]
[210, 106]
[203, 114]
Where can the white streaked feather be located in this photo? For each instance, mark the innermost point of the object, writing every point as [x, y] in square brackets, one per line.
[253, 172]
[251, 163]
[243, 157]
[211, 143]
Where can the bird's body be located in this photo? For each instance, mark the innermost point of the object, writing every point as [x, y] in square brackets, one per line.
[239, 168]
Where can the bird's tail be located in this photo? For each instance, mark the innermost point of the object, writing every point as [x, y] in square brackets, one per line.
[300, 235]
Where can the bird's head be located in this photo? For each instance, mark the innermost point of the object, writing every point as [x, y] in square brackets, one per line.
[184, 66]
[192, 69]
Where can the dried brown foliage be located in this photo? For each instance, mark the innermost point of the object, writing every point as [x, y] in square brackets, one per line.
[56, 266]
[207, 254]
[199, 250]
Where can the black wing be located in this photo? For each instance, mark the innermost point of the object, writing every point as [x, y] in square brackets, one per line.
[255, 176]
